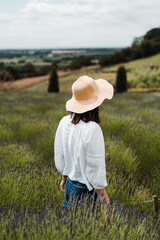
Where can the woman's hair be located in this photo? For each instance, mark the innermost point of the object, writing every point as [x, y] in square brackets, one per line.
[92, 115]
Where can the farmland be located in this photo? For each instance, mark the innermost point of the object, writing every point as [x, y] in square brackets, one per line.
[27, 82]
[42, 59]
[139, 76]
[30, 196]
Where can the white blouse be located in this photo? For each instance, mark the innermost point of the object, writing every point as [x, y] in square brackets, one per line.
[80, 153]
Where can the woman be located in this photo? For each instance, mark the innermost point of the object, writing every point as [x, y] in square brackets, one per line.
[79, 143]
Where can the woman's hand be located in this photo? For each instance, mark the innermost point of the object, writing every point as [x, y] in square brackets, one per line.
[64, 178]
[62, 185]
[106, 206]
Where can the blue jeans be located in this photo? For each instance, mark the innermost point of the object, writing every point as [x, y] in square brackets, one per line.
[77, 192]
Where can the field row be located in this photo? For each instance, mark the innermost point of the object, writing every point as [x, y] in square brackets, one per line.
[31, 201]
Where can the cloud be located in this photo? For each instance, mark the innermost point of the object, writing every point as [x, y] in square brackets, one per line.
[54, 10]
[79, 23]
[87, 1]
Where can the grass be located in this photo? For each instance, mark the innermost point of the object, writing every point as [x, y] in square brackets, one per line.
[30, 197]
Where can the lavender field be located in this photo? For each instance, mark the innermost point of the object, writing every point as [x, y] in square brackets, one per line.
[31, 203]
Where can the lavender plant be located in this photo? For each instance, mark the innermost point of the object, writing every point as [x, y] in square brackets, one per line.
[31, 203]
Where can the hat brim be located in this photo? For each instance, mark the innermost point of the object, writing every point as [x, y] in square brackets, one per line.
[106, 91]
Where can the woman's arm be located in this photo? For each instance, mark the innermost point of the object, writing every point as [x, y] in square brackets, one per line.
[58, 149]
[106, 206]
[95, 164]
[64, 178]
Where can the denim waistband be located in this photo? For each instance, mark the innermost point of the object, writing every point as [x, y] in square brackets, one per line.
[77, 183]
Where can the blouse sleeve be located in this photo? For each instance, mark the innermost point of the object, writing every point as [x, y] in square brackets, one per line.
[58, 150]
[95, 157]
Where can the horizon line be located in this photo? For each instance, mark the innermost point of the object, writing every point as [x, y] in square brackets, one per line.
[60, 48]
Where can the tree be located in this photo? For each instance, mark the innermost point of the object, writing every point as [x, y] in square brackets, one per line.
[28, 70]
[152, 34]
[12, 72]
[75, 64]
[53, 81]
[137, 41]
[85, 61]
[2, 67]
[136, 52]
[121, 80]
[143, 46]
[146, 48]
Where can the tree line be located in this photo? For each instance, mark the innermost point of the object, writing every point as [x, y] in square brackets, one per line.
[10, 73]
[144, 46]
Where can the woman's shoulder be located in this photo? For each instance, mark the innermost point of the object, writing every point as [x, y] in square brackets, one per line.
[93, 134]
[91, 127]
[66, 119]
[93, 124]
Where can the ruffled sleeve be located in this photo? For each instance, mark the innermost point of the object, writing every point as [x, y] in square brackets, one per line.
[58, 149]
[95, 157]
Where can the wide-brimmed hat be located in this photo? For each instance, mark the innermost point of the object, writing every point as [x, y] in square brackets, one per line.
[88, 94]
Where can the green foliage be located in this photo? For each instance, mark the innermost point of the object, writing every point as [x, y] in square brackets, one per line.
[11, 73]
[144, 78]
[79, 62]
[153, 33]
[136, 52]
[121, 80]
[53, 81]
[150, 47]
[75, 64]
[1, 66]
[141, 47]
[28, 68]
[30, 197]
[85, 61]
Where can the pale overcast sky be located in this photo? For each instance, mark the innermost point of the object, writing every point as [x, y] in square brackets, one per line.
[75, 23]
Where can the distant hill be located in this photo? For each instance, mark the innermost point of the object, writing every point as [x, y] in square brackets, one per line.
[142, 47]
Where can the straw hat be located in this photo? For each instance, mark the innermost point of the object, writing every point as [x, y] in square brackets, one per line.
[88, 94]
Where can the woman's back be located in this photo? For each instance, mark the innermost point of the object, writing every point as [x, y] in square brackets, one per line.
[79, 152]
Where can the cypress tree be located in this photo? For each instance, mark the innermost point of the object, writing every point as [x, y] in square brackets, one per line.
[53, 81]
[121, 80]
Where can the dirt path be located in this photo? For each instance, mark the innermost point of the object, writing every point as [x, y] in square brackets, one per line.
[26, 82]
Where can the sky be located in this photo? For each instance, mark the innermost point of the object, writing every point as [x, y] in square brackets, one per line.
[75, 23]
